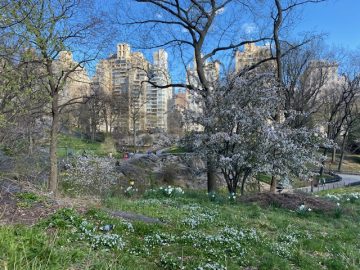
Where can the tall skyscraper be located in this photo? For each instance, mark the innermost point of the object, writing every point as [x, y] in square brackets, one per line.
[212, 73]
[158, 98]
[252, 54]
[77, 84]
[139, 103]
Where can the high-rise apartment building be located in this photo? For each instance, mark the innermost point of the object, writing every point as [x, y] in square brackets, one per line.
[140, 105]
[212, 73]
[77, 84]
[253, 54]
[158, 98]
[322, 74]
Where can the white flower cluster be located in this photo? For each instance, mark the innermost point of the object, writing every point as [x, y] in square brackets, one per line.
[168, 261]
[89, 174]
[228, 238]
[281, 249]
[287, 241]
[130, 191]
[107, 240]
[332, 197]
[303, 209]
[167, 191]
[232, 197]
[195, 220]
[211, 266]
[159, 239]
[348, 197]
[198, 216]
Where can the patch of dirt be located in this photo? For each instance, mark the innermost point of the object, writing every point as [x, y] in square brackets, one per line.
[290, 201]
[15, 210]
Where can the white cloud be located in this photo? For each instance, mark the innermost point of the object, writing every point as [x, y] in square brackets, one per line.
[249, 28]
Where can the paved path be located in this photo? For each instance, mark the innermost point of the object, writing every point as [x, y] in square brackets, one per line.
[347, 179]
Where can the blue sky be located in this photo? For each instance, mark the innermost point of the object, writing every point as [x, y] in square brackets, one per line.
[340, 19]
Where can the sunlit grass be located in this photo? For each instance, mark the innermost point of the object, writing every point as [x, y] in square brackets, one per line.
[192, 232]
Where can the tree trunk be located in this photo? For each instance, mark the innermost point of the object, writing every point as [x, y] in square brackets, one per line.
[246, 174]
[134, 136]
[342, 152]
[321, 172]
[276, 28]
[242, 189]
[106, 126]
[93, 132]
[211, 176]
[31, 142]
[333, 155]
[273, 184]
[53, 179]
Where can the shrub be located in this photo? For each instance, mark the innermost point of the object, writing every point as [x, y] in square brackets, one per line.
[89, 175]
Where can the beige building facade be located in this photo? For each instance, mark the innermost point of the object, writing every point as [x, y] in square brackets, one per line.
[124, 77]
[77, 86]
[251, 55]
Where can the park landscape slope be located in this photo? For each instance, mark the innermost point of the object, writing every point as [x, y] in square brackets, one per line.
[171, 228]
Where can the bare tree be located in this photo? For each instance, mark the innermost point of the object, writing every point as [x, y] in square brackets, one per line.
[51, 27]
[338, 108]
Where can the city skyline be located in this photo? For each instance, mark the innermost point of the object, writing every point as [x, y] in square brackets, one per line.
[321, 19]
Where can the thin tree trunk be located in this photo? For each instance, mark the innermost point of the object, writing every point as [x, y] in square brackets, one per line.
[342, 152]
[273, 184]
[53, 179]
[31, 142]
[211, 176]
[277, 24]
[93, 132]
[134, 135]
[321, 172]
[106, 126]
[246, 175]
[333, 155]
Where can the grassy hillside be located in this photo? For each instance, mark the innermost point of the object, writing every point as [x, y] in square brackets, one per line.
[192, 233]
[77, 146]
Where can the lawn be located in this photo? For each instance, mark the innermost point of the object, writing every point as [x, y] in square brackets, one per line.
[77, 146]
[192, 233]
[351, 163]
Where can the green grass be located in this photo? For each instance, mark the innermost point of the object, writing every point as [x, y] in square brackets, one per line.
[73, 145]
[193, 232]
[176, 150]
[264, 178]
[344, 190]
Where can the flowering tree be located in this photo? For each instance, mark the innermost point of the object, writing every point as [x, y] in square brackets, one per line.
[246, 140]
[200, 28]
